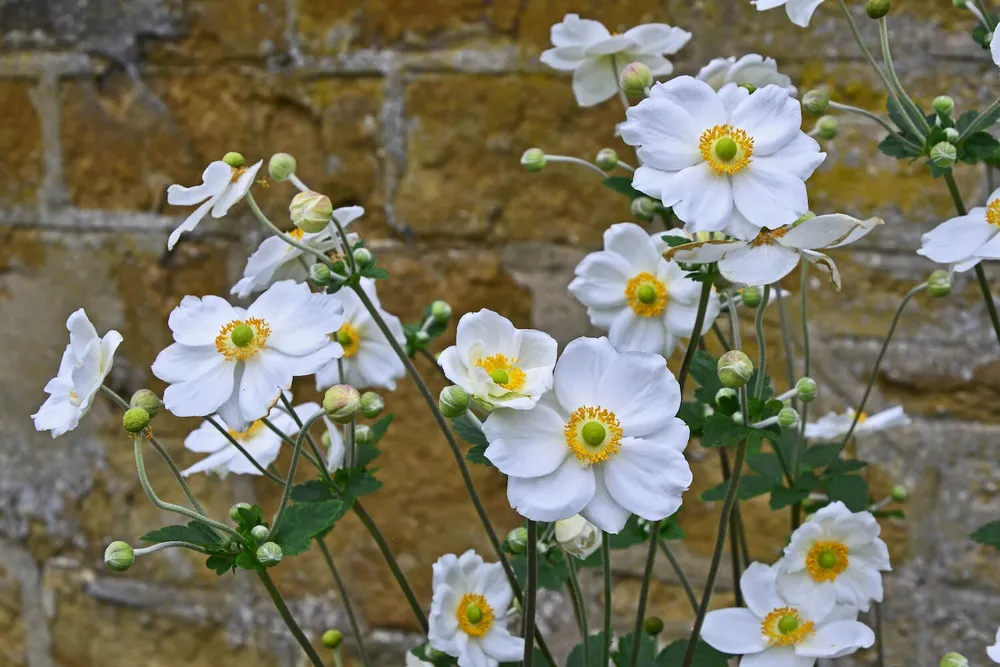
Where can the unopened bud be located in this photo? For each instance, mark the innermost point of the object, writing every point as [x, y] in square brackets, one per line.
[342, 403]
[607, 159]
[788, 418]
[363, 434]
[147, 400]
[827, 127]
[944, 154]
[517, 540]
[735, 369]
[737, 417]
[135, 420]
[806, 389]
[959, 4]
[652, 625]
[751, 296]
[954, 659]
[644, 207]
[332, 638]
[725, 393]
[454, 402]
[816, 102]
[234, 159]
[363, 257]
[939, 283]
[371, 404]
[281, 166]
[320, 273]
[951, 135]
[234, 511]
[269, 554]
[635, 79]
[876, 9]
[119, 556]
[943, 105]
[898, 493]
[533, 159]
[422, 338]
[310, 211]
[441, 311]
[260, 533]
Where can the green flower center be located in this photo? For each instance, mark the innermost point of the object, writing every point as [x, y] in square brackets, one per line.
[474, 613]
[499, 376]
[343, 337]
[594, 433]
[726, 149]
[646, 294]
[827, 559]
[788, 624]
[242, 335]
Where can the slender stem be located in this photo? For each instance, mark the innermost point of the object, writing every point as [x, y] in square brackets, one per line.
[679, 571]
[980, 122]
[530, 592]
[579, 605]
[734, 547]
[910, 109]
[606, 559]
[878, 119]
[576, 160]
[762, 344]
[699, 322]
[622, 97]
[627, 167]
[115, 398]
[296, 452]
[723, 341]
[235, 443]
[286, 616]
[318, 462]
[285, 237]
[786, 341]
[864, 49]
[297, 182]
[351, 262]
[879, 646]
[290, 441]
[744, 546]
[431, 358]
[351, 618]
[800, 443]
[169, 545]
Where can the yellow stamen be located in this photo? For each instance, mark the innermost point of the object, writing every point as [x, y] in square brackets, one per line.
[646, 295]
[296, 234]
[251, 431]
[863, 418]
[505, 372]
[474, 606]
[826, 560]
[784, 627]
[237, 173]
[258, 341]
[726, 149]
[769, 236]
[349, 339]
[993, 213]
[581, 434]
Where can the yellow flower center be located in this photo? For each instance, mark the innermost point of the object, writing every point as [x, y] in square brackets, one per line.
[593, 434]
[237, 172]
[475, 615]
[349, 339]
[296, 234]
[726, 149]
[240, 340]
[769, 236]
[251, 431]
[505, 372]
[784, 627]
[826, 560]
[646, 295]
[863, 418]
[993, 213]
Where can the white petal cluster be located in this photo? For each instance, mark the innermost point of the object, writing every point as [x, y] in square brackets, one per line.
[968, 239]
[752, 69]
[577, 536]
[222, 186]
[834, 426]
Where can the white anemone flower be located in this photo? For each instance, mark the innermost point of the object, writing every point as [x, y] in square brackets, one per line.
[605, 444]
[771, 632]
[236, 361]
[994, 651]
[596, 57]
[85, 363]
[369, 360]
[498, 364]
[834, 558]
[469, 612]
[275, 260]
[258, 440]
[799, 11]
[835, 425]
[222, 186]
[752, 69]
[773, 254]
[725, 160]
[577, 536]
[646, 303]
[966, 240]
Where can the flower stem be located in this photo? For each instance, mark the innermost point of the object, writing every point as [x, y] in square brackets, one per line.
[296, 452]
[909, 108]
[317, 458]
[761, 344]
[351, 618]
[530, 592]
[878, 119]
[115, 398]
[235, 443]
[734, 546]
[879, 646]
[979, 124]
[290, 441]
[800, 443]
[282, 235]
[579, 605]
[786, 341]
[160, 546]
[679, 571]
[606, 559]
[575, 160]
[864, 49]
[286, 616]
[699, 322]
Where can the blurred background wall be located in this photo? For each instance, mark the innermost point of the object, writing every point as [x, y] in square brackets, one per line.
[418, 111]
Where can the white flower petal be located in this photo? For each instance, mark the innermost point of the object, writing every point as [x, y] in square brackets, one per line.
[701, 198]
[526, 443]
[658, 37]
[836, 639]
[213, 462]
[576, 31]
[495, 332]
[703, 252]
[537, 351]
[214, 179]
[798, 157]
[610, 46]
[491, 582]
[666, 134]
[631, 333]
[235, 191]
[995, 53]
[199, 321]
[771, 117]
[564, 58]
[499, 645]
[776, 657]
[647, 479]
[631, 242]
[205, 439]
[579, 371]
[768, 197]
[801, 11]
[657, 64]
[602, 510]
[990, 249]
[189, 224]
[641, 391]
[697, 97]
[758, 585]
[958, 238]
[735, 631]
[601, 278]
[258, 392]
[714, 73]
[863, 228]
[557, 496]
[183, 363]
[760, 265]
[800, 589]
[820, 232]
[594, 81]
[201, 396]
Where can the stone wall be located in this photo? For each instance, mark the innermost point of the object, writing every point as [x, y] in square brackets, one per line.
[419, 110]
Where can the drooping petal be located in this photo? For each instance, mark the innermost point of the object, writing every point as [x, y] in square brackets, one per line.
[526, 443]
[214, 179]
[579, 370]
[759, 265]
[189, 224]
[564, 58]
[702, 252]
[594, 81]
[633, 385]
[824, 263]
[801, 11]
[735, 631]
[235, 191]
[658, 37]
[647, 479]
[820, 232]
[863, 228]
[557, 496]
[958, 238]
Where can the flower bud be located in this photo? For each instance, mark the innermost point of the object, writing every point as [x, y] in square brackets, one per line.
[607, 159]
[806, 389]
[454, 402]
[827, 127]
[737, 417]
[939, 283]
[281, 166]
[725, 392]
[363, 434]
[644, 207]
[959, 4]
[517, 540]
[577, 536]
[234, 511]
[147, 400]
[260, 533]
[816, 102]
[422, 338]
[441, 311]
[371, 404]
[310, 211]
[944, 154]
[533, 159]
[119, 556]
[876, 9]
[332, 638]
[954, 660]
[320, 273]
[269, 554]
[635, 79]
[652, 625]
[735, 369]
[898, 493]
[363, 257]
[234, 160]
[135, 420]
[943, 105]
[788, 418]
[342, 403]
[751, 296]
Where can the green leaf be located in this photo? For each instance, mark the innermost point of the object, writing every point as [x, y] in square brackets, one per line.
[671, 529]
[314, 490]
[722, 431]
[783, 497]
[251, 517]
[819, 456]
[852, 490]
[980, 146]
[248, 561]
[380, 428]
[751, 486]
[375, 273]
[894, 147]
[356, 484]
[477, 454]
[553, 573]
[705, 371]
[963, 122]
[647, 651]
[630, 535]
[673, 240]
[194, 533]
[692, 413]
[366, 454]
[469, 431]
[622, 185]
[303, 521]
[595, 646]
[988, 535]
[766, 465]
[843, 466]
[221, 563]
[704, 655]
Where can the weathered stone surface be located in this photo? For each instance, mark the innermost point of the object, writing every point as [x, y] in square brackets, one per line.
[20, 144]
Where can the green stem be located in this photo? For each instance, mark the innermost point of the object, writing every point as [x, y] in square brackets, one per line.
[762, 344]
[868, 114]
[864, 49]
[319, 458]
[800, 443]
[290, 441]
[679, 571]
[286, 616]
[606, 559]
[575, 160]
[115, 398]
[879, 647]
[282, 235]
[981, 121]
[579, 605]
[173, 544]
[734, 545]
[786, 340]
[235, 443]
[296, 452]
[351, 618]
[909, 108]
[699, 322]
[530, 592]
[723, 341]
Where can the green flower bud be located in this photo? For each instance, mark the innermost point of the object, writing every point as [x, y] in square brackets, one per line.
[363, 257]
[234, 160]
[147, 400]
[898, 493]
[342, 402]
[644, 208]
[119, 556]
[607, 159]
[943, 105]
[363, 434]
[749, 87]
[234, 511]
[320, 273]
[944, 154]
[725, 392]
[951, 135]
[788, 418]
[635, 79]
[954, 660]
[371, 404]
[959, 4]
[441, 311]
[652, 625]
[517, 540]
[751, 296]
[422, 338]
[454, 402]
[332, 638]
[735, 369]
[827, 127]
[939, 283]
[269, 554]
[135, 420]
[876, 9]
[260, 533]
[816, 102]
[310, 211]
[281, 166]
[806, 389]
[533, 159]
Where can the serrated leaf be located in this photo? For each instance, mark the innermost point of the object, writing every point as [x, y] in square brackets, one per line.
[751, 486]
[248, 561]
[221, 563]
[704, 370]
[357, 485]
[783, 497]
[374, 272]
[704, 655]
[630, 535]
[469, 431]
[852, 490]
[622, 185]
[380, 428]
[721, 431]
[979, 146]
[693, 414]
[894, 147]
[366, 453]
[250, 517]
[553, 573]
[842, 466]
[304, 521]
[315, 490]
[194, 532]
